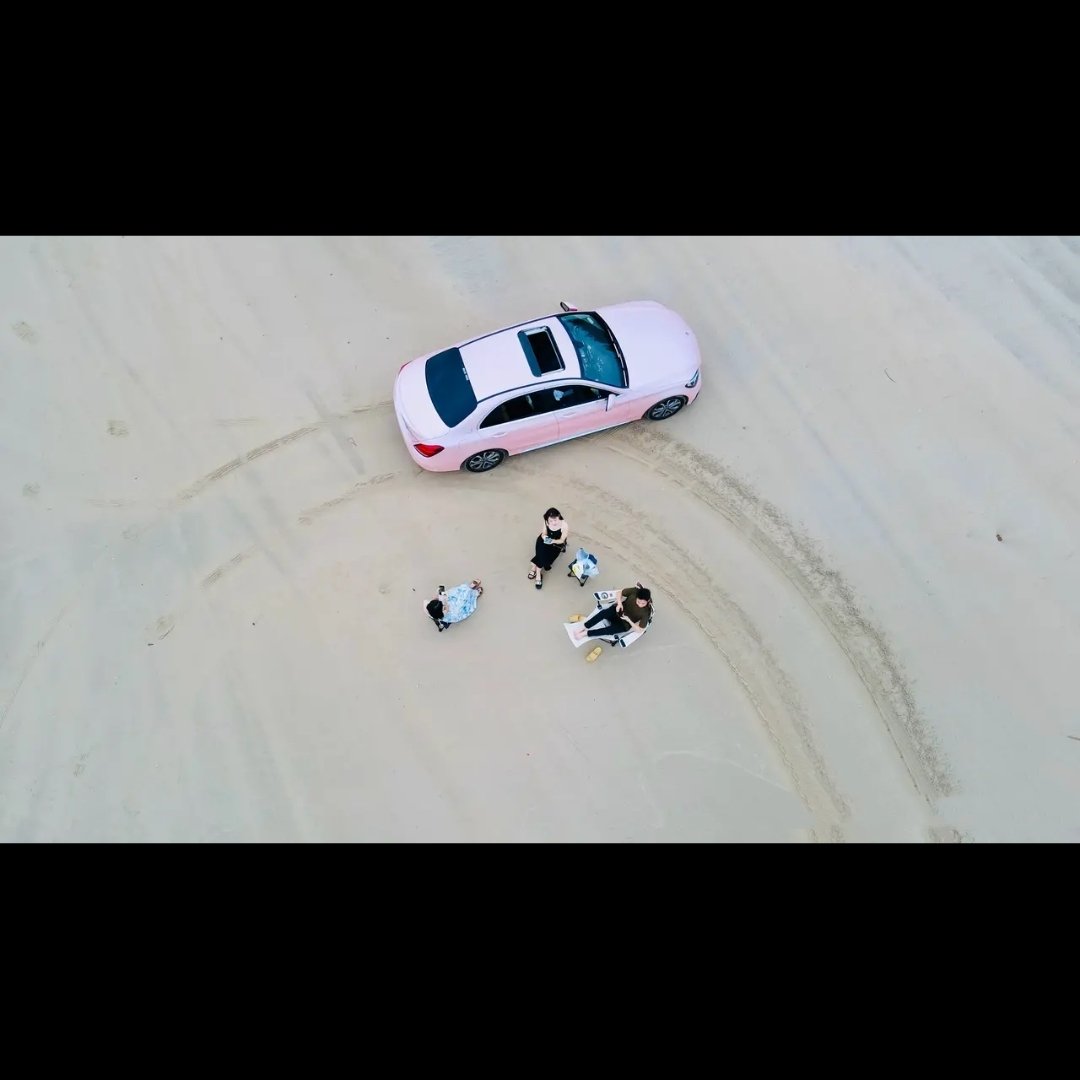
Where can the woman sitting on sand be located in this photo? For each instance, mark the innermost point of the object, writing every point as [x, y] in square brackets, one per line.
[454, 606]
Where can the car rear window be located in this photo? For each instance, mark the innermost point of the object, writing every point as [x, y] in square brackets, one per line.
[449, 387]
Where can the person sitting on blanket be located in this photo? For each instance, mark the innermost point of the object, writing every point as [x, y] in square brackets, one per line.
[631, 611]
[457, 604]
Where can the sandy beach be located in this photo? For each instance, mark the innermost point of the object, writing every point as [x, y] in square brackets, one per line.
[861, 540]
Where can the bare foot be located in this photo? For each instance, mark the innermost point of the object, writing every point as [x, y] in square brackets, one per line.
[579, 633]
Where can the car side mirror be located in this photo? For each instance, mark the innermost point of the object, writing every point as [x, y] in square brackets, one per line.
[607, 402]
[566, 307]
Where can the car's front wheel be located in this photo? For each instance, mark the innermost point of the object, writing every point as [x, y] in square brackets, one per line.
[485, 461]
[663, 409]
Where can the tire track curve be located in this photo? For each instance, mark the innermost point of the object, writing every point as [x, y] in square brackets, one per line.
[824, 589]
[641, 542]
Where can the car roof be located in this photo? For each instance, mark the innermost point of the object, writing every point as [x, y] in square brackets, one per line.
[497, 362]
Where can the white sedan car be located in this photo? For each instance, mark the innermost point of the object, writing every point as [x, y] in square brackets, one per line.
[554, 378]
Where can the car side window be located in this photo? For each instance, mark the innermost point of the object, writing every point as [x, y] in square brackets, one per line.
[545, 401]
[566, 397]
[548, 399]
[519, 408]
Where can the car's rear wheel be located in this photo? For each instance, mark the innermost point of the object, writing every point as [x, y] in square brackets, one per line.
[485, 461]
[663, 409]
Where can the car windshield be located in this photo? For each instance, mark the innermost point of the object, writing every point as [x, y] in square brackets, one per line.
[598, 351]
[449, 387]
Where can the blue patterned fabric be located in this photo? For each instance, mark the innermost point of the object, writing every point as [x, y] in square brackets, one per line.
[460, 603]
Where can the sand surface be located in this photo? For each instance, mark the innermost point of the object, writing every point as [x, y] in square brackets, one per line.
[861, 537]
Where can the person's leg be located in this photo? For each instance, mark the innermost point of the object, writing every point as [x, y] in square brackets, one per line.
[544, 558]
[618, 626]
[537, 560]
[603, 614]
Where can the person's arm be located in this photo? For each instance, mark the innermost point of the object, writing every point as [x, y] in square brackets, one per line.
[565, 533]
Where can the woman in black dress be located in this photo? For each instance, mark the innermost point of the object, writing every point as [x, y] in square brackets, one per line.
[550, 544]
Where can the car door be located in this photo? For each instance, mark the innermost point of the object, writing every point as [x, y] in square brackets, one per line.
[582, 409]
[519, 423]
[626, 405]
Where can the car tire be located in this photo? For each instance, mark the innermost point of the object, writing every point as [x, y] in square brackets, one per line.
[485, 461]
[665, 409]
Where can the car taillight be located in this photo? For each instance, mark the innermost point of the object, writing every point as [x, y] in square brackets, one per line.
[427, 449]
[693, 382]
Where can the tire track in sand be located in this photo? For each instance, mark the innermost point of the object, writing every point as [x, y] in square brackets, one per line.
[827, 593]
[133, 531]
[313, 512]
[235, 463]
[642, 543]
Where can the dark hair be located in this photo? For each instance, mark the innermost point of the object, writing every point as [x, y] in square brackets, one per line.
[644, 594]
[551, 512]
[435, 609]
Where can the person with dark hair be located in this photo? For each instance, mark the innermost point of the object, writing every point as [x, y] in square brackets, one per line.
[447, 608]
[631, 611]
[549, 545]
[436, 609]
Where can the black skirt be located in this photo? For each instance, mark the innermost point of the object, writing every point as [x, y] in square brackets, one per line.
[546, 554]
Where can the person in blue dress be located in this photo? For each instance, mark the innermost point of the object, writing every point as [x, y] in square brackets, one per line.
[449, 607]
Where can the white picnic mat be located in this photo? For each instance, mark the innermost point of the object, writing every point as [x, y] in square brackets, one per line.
[603, 598]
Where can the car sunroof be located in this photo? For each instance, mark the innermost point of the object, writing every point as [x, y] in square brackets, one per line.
[540, 350]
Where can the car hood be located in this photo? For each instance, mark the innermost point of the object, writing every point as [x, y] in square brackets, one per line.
[657, 343]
